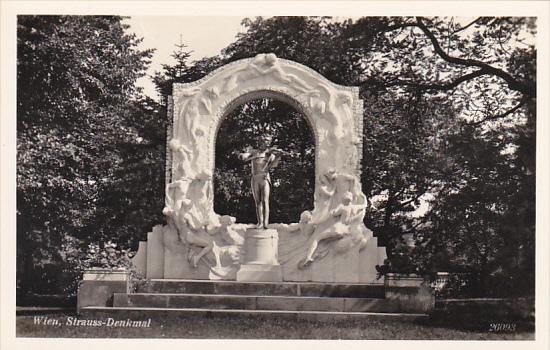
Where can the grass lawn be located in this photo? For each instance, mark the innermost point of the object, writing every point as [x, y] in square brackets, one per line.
[240, 327]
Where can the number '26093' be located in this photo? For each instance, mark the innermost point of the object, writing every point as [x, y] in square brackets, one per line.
[502, 327]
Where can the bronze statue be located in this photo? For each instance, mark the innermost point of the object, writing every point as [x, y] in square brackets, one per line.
[263, 160]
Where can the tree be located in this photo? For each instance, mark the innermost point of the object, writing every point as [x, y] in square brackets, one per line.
[469, 217]
[313, 41]
[402, 138]
[172, 73]
[439, 55]
[132, 197]
[182, 72]
[482, 218]
[75, 95]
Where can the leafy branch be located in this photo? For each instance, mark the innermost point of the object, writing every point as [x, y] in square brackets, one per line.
[515, 84]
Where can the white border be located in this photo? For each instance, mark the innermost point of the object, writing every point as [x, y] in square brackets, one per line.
[9, 10]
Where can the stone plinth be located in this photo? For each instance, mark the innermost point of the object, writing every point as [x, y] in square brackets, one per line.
[155, 253]
[409, 293]
[261, 247]
[260, 257]
[140, 259]
[99, 285]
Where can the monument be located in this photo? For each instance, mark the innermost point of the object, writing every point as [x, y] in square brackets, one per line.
[205, 262]
[330, 243]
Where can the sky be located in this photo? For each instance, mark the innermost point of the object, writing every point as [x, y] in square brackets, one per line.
[163, 33]
[204, 36]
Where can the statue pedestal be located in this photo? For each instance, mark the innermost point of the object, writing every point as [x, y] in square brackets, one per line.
[260, 262]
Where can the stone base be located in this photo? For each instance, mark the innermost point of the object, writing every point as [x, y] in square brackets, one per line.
[260, 273]
[99, 285]
[267, 297]
[338, 262]
[311, 289]
[261, 246]
[409, 293]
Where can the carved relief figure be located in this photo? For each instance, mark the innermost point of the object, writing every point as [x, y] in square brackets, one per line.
[324, 195]
[183, 156]
[229, 234]
[262, 65]
[211, 94]
[243, 74]
[335, 227]
[183, 214]
[340, 210]
[263, 160]
[175, 198]
[200, 192]
[195, 234]
[271, 66]
[332, 185]
[318, 107]
[176, 191]
[195, 104]
[191, 102]
[344, 183]
[357, 227]
[193, 119]
[187, 111]
[359, 197]
[305, 226]
[337, 110]
[316, 103]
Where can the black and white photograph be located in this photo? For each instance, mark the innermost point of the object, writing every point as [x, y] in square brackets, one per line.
[297, 171]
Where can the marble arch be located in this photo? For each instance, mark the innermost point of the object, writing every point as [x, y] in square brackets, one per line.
[333, 111]
[197, 243]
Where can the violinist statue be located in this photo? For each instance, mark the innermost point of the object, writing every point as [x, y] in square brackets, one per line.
[263, 160]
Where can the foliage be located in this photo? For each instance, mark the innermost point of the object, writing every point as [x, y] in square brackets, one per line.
[108, 255]
[182, 72]
[79, 257]
[79, 122]
[133, 196]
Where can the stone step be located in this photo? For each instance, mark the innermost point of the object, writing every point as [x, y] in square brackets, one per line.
[312, 289]
[254, 302]
[160, 315]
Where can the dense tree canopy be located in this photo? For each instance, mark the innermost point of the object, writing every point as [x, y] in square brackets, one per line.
[79, 123]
